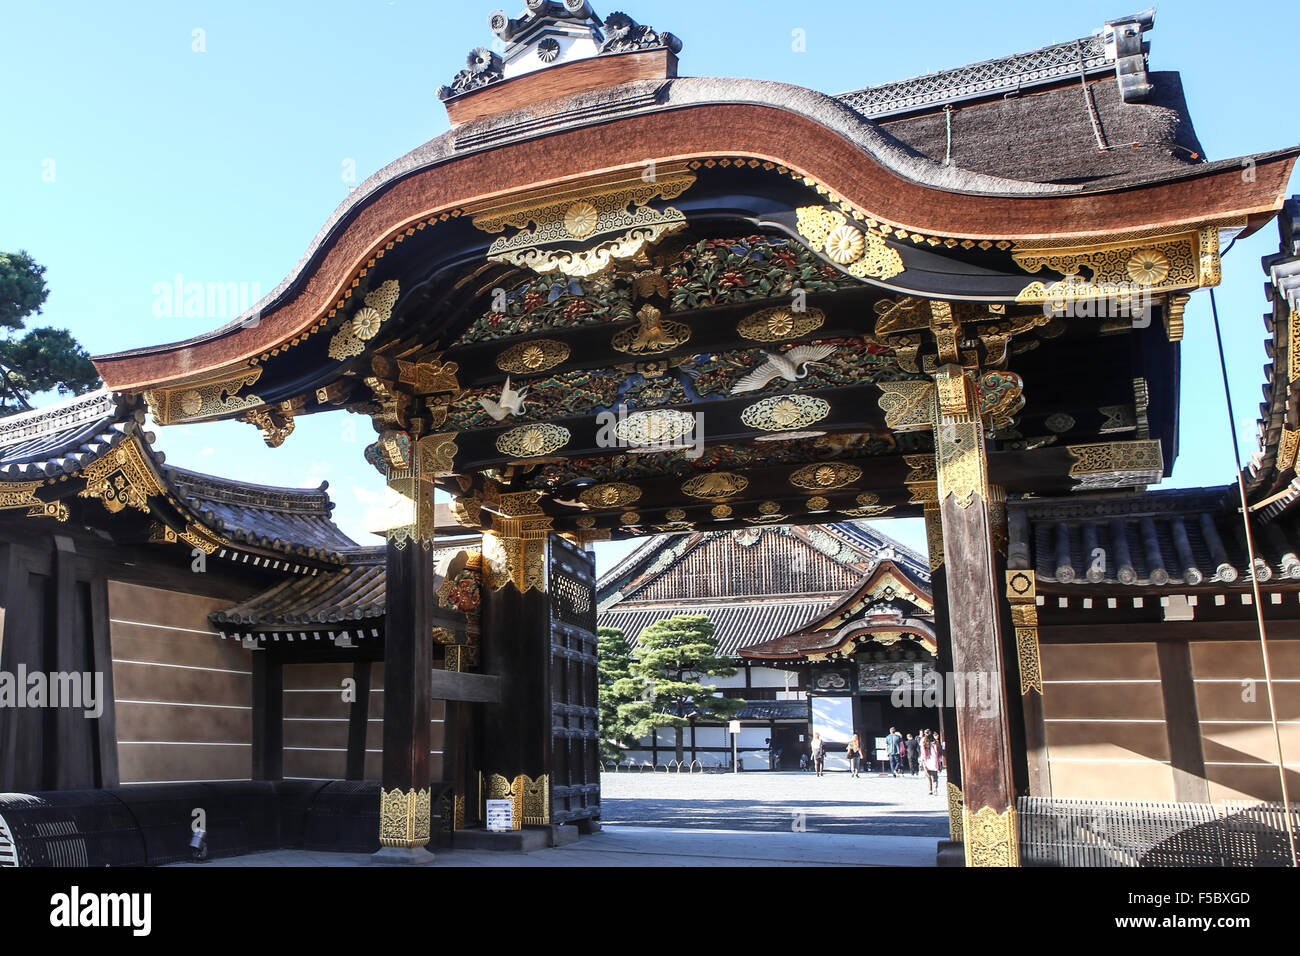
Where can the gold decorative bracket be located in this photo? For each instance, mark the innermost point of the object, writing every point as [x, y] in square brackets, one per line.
[1022, 593]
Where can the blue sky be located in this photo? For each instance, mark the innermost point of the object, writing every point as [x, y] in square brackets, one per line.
[148, 140]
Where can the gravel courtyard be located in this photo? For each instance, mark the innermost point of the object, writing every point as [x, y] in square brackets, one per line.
[832, 804]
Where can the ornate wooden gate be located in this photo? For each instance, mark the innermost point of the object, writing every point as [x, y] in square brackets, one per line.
[575, 738]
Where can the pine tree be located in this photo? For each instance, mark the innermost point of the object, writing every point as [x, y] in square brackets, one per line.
[612, 667]
[43, 359]
[672, 655]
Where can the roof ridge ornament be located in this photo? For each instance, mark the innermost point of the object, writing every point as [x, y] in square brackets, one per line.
[552, 33]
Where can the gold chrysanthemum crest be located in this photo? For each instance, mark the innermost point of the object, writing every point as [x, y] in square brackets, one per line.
[780, 324]
[532, 441]
[825, 476]
[529, 358]
[615, 494]
[785, 412]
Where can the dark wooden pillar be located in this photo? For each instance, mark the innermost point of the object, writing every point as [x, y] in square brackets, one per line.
[268, 714]
[408, 701]
[516, 647]
[1182, 722]
[975, 616]
[358, 721]
[75, 738]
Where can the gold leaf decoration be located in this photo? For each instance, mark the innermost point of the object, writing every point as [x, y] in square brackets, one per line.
[715, 485]
[826, 476]
[655, 427]
[769, 508]
[350, 340]
[580, 219]
[654, 334]
[675, 515]
[721, 512]
[860, 253]
[630, 518]
[780, 323]
[818, 503]
[532, 441]
[528, 358]
[785, 412]
[613, 495]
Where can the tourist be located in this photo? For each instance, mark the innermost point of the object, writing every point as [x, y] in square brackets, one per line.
[892, 743]
[818, 754]
[913, 748]
[854, 753]
[931, 755]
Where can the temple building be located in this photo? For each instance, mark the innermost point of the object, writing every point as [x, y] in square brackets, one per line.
[756, 586]
[613, 302]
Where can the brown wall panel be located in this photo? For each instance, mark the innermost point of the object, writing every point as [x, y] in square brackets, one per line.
[1223, 701]
[1085, 662]
[1239, 659]
[315, 764]
[1250, 783]
[181, 723]
[1094, 740]
[1105, 700]
[151, 628]
[315, 733]
[143, 763]
[133, 681]
[1139, 780]
[317, 676]
[1250, 743]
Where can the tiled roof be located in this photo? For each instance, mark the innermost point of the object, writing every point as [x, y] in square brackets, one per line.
[355, 593]
[66, 438]
[282, 519]
[63, 438]
[735, 625]
[1180, 537]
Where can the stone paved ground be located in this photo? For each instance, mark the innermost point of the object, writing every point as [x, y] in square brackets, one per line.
[835, 803]
[620, 845]
[715, 819]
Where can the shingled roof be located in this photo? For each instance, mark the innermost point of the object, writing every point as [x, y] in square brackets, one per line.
[1083, 111]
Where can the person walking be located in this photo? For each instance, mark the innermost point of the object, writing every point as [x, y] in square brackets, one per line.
[913, 748]
[892, 746]
[854, 753]
[931, 756]
[818, 749]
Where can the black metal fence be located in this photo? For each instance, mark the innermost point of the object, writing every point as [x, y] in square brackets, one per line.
[1057, 832]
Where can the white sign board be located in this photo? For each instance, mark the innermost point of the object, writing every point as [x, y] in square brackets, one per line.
[500, 815]
[734, 727]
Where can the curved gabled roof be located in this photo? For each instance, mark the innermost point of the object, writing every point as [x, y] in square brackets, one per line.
[621, 127]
